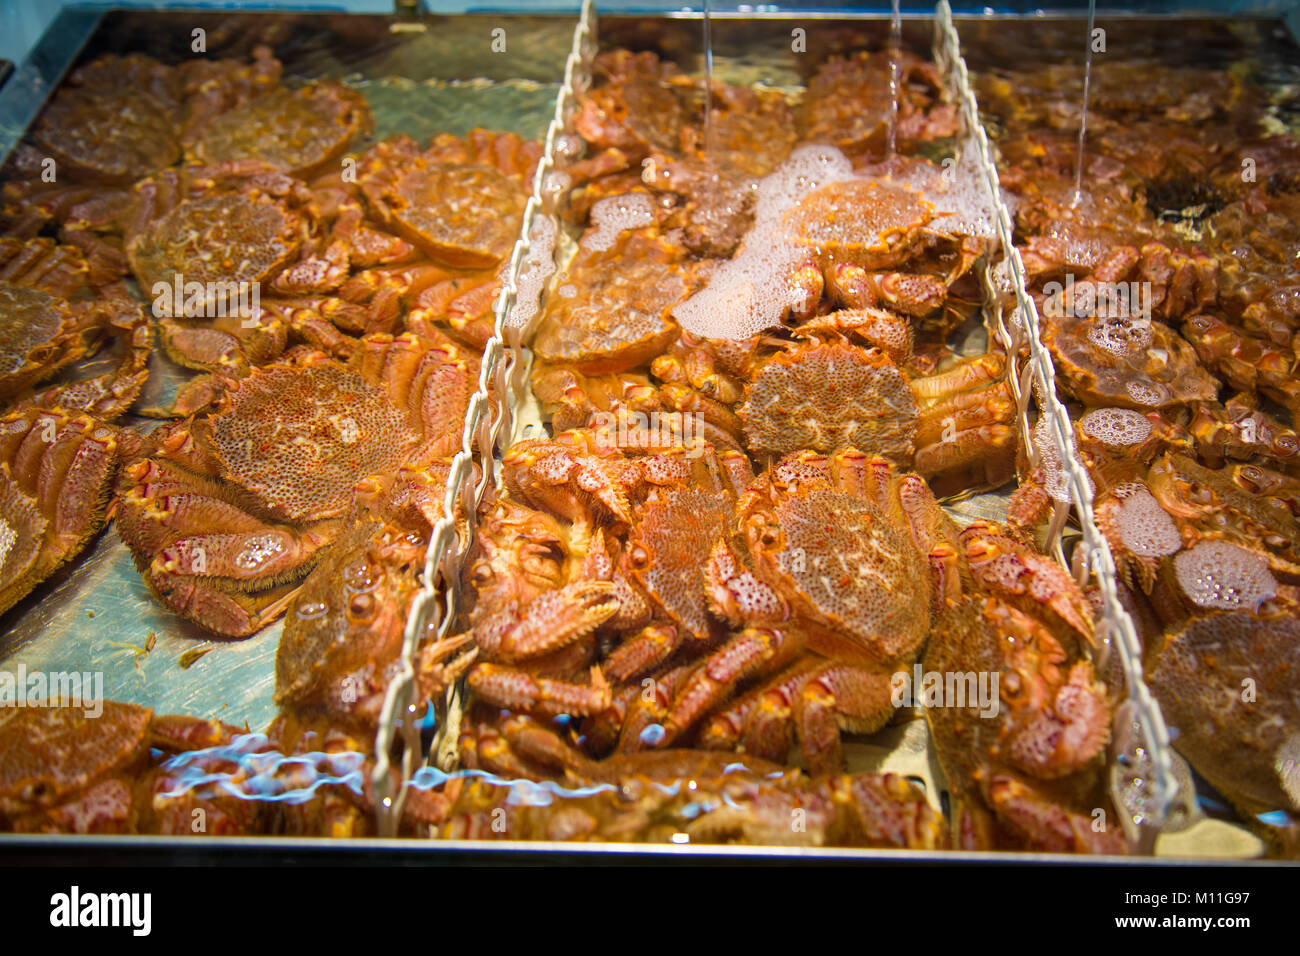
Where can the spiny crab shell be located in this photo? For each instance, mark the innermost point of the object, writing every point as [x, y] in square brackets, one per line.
[870, 224]
[56, 476]
[849, 569]
[1245, 747]
[460, 201]
[120, 118]
[225, 515]
[300, 132]
[825, 397]
[66, 770]
[244, 234]
[849, 99]
[1127, 361]
[619, 314]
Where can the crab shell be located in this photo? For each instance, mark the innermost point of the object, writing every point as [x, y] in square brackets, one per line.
[1127, 362]
[849, 99]
[461, 202]
[825, 397]
[635, 105]
[668, 547]
[56, 476]
[300, 132]
[870, 224]
[64, 770]
[1245, 747]
[113, 135]
[620, 314]
[851, 575]
[230, 236]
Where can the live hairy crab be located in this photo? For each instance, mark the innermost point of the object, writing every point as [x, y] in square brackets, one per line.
[849, 101]
[224, 515]
[51, 316]
[56, 479]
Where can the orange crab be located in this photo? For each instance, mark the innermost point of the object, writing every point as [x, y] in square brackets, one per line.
[1029, 777]
[301, 131]
[51, 316]
[66, 770]
[116, 121]
[279, 462]
[226, 239]
[656, 797]
[849, 99]
[831, 566]
[56, 476]
[1242, 743]
[614, 312]
[461, 202]
[543, 588]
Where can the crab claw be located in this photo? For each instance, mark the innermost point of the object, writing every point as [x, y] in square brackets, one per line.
[1047, 825]
[440, 664]
[552, 622]
[1033, 582]
[1067, 735]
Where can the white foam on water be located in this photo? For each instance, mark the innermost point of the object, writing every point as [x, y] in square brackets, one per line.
[537, 267]
[1116, 427]
[1055, 480]
[1219, 575]
[962, 201]
[1145, 528]
[750, 292]
[613, 215]
[1145, 393]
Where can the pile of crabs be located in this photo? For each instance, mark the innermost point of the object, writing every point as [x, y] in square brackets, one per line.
[300, 469]
[720, 561]
[730, 549]
[1167, 290]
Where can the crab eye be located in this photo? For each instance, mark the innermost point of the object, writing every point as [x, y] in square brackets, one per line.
[638, 557]
[482, 574]
[361, 607]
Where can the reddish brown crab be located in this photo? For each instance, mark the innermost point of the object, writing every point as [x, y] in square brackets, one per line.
[460, 201]
[1227, 683]
[614, 311]
[67, 770]
[118, 120]
[278, 462]
[56, 477]
[301, 132]
[51, 316]
[848, 104]
[268, 232]
[1029, 777]
[699, 797]
[797, 578]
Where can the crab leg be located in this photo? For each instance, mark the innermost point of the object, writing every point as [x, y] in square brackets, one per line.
[553, 621]
[517, 690]
[752, 652]
[1045, 824]
[643, 651]
[650, 707]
